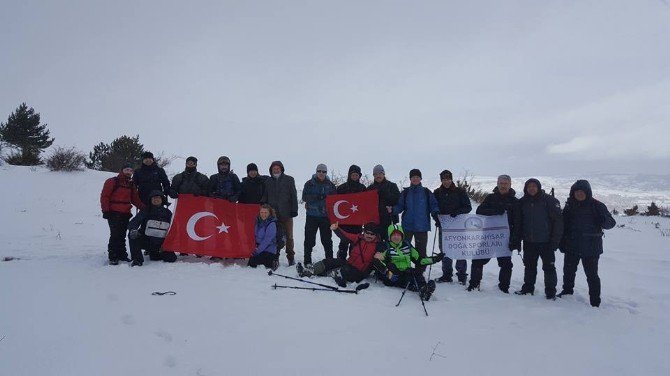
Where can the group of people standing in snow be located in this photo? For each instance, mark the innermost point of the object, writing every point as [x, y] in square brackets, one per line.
[395, 249]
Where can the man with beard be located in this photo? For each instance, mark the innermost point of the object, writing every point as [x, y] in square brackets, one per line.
[389, 194]
[190, 181]
[352, 185]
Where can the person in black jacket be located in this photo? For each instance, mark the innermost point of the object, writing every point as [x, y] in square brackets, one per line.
[281, 194]
[584, 218]
[352, 185]
[541, 232]
[502, 200]
[225, 184]
[253, 186]
[149, 177]
[190, 181]
[452, 201]
[147, 230]
[389, 194]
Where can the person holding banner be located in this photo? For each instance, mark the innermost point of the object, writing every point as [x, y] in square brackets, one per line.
[190, 181]
[417, 204]
[265, 232]
[585, 218]
[352, 185]
[541, 232]
[502, 200]
[314, 195]
[394, 265]
[388, 197]
[452, 201]
[147, 230]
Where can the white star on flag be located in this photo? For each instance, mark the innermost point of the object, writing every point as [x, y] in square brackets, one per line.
[223, 228]
[354, 208]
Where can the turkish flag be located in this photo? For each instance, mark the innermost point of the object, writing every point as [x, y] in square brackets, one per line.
[212, 227]
[353, 208]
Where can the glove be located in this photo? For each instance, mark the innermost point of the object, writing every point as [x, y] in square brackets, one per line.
[437, 258]
[438, 224]
[134, 234]
[106, 215]
[294, 214]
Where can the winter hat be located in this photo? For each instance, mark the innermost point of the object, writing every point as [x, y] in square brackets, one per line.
[446, 174]
[414, 172]
[581, 185]
[532, 180]
[252, 167]
[155, 193]
[276, 163]
[126, 165]
[378, 169]
[192, 159]
[147, 154]
[353, 168]
[223, 160]
[321, 167]
[371, 226]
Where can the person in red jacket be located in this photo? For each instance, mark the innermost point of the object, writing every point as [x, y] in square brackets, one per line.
[357, 266]
[118, 196]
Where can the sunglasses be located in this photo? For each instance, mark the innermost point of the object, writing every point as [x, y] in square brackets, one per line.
[321, 171]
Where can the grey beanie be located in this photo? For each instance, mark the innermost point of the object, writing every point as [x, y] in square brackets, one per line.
[378, 169]
[321, 167]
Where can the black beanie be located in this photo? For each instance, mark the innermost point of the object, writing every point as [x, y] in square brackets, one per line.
[355, 169]
[193, 159]
[252, 167]
[415, 172]
[446, 174]
[127, 165]
[147, 154]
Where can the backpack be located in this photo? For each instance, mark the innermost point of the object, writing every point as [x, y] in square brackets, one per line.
[280, 237]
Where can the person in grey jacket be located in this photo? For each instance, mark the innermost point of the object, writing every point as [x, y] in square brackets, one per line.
[584, 218]
[281, 194]
[190, 181]
[541, 232]
[314, 196]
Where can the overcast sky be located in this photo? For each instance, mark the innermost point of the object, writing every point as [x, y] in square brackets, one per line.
[522, 87]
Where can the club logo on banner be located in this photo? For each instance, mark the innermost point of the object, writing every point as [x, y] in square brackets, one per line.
[353, 208]
[472, 236]
[212, 227]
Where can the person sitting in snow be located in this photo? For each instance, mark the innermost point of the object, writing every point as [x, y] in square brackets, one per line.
[266, 239]
[584, 220]
[117, 198]
[147, 230]
[359, 264]
[394, 264]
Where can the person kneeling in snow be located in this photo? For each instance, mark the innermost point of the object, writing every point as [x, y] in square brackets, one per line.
[359, 264]
[147, 230]
[394, 265]
[266, 239]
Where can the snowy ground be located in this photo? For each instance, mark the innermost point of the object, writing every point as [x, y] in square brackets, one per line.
[64, 311]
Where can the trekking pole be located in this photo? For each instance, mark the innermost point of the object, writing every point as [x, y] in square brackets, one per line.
[276, 286]
[420, 297]
[430, 268]
[403, 293]
[302, 280]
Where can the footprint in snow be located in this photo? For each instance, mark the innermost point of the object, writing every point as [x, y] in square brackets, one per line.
[167, 337]
[128, 319]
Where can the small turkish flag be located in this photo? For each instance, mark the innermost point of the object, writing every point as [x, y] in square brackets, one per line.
[212, 227]
[353, 208]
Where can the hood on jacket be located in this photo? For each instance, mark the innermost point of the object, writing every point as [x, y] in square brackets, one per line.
[532, 180]
[581, 185]
[353, 168]
[276, 163]
[395, 228]
[155, 193]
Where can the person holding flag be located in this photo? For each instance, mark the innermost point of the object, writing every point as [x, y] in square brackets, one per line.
[352, 185]
[388, 197]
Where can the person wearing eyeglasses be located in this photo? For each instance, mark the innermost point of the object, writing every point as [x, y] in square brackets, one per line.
[314, 196]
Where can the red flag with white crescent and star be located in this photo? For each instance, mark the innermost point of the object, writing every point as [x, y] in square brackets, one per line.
[212, 227]
[353, 208]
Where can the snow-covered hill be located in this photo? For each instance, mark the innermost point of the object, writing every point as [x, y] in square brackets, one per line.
[64, 311]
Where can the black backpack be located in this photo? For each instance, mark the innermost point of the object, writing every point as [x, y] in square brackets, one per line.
[280, 237]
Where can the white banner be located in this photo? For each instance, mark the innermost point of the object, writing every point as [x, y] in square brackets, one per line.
[473, 236]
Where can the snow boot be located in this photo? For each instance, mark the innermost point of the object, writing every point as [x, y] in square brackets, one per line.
[136, 263]
[564, 292]
[338, 278]
[504, 289]
[473, 286]
[595, 301]
[524, 291]
[445, 278]
[427, 290]
[302, 272]
[113, 262]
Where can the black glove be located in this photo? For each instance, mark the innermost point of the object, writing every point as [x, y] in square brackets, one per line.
[438, 257]
[438, 224]
[294, 214]
[105, 215]
[436, 218]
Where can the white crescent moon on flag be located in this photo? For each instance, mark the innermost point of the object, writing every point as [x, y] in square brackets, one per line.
[336, 209]
[190, 226]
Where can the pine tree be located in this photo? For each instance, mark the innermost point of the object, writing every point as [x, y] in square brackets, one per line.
[653, 210]
[24, 132]
[111, 157]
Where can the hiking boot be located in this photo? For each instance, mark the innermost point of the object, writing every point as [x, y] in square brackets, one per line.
[564, 292]
[504, 289]
[551, 296]
[338, 278]
[136, 263]
[445, 278]
[595, 302]
[113, 262]
[524, 292]
[427, 291]
[462, 281]
[126, 259]
[302, 272]
[473, 286]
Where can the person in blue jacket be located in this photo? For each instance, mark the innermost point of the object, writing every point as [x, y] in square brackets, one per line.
[266, 239]
[584, 220]
[314, 196]
[417, 204]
